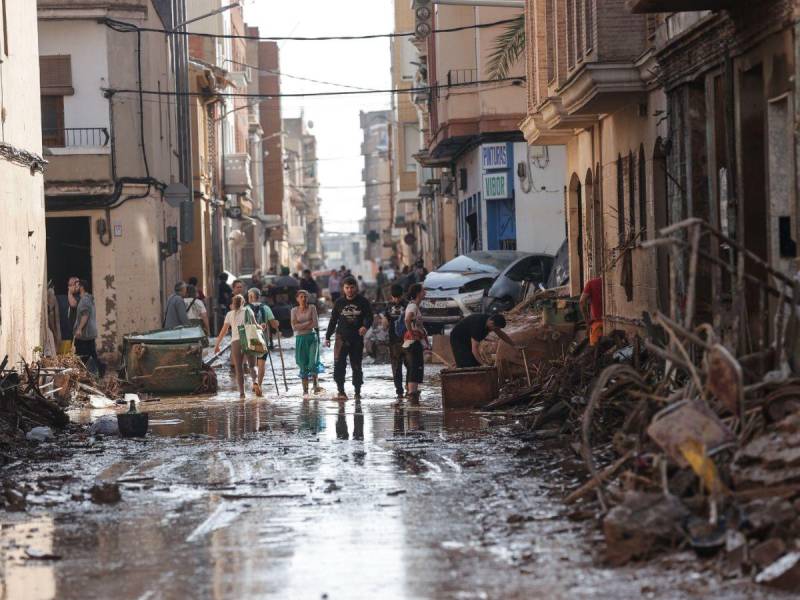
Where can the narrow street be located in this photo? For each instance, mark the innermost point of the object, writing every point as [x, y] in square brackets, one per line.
[285, 498]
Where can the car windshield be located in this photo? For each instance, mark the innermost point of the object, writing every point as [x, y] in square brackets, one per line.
[479, 262]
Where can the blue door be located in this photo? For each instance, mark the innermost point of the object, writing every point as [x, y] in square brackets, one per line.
[501, 224]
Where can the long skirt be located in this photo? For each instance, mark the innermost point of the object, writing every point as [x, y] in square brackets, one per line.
[306, 355]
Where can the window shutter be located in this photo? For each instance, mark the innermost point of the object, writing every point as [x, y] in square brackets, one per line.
[55, 75]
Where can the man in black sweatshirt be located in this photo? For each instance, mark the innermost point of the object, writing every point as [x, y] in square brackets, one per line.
[350, 320]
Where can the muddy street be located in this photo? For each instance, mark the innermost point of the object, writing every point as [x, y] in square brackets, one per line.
[285, 498]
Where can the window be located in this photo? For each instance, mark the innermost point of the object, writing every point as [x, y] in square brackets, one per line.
[411, 146]
[53, 121]
[579, 32]
[55, 82]
[642, 194]
[588, 24]
[620, 201]
[571, 33]
[632, 192]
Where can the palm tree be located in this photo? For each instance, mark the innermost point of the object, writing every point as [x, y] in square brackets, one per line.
[508, 47]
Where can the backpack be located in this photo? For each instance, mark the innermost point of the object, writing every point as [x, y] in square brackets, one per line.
[400, 326]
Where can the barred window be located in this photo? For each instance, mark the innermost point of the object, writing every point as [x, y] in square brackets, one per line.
[620, 200]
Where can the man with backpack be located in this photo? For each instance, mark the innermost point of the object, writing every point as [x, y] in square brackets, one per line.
[265, 319]
[394, 321]
[350, 319]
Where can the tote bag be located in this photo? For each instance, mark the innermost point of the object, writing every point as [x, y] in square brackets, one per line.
[251, 337]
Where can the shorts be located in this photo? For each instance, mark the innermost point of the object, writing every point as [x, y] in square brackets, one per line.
[595, 333]
[415, 356]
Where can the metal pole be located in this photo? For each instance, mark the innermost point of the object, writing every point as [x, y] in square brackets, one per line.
[496, 3]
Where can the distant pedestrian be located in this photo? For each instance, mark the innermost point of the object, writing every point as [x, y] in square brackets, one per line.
[224, 297]
[200, 295]
[238, 288]
[308, 284]
[236, 317]
[467, 335]
[415, 340]
[350, 319]
[196, 308]
[85, 333]
[591, 305]
[175, 312]
[305, 324]
[395, 310]
[264, 317]
[381, 281]
[335, 286]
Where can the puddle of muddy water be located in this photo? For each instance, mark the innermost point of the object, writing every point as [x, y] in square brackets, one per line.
[288, 498]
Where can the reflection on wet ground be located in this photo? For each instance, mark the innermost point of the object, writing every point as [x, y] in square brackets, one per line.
[285, 498]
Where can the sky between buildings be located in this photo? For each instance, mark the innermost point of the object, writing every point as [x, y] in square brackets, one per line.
[362, 63]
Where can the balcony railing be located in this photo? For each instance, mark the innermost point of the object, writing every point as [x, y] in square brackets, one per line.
[76, 137]
[462, 76]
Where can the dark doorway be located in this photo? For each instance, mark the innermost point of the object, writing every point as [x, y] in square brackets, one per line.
[753, 212]
[661, 220]
[69, 250]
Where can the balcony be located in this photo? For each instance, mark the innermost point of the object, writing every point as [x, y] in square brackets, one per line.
[598, 88]
[77, 140]
[77, 155]
[659, 6]
[237, 174]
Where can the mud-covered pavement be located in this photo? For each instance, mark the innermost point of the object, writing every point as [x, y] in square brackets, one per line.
[285, 498]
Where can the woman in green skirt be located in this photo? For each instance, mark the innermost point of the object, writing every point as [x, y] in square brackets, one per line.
[305, 324]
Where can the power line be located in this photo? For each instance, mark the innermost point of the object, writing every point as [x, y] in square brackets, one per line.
[517, 80]
[125, 27]
[274, 72]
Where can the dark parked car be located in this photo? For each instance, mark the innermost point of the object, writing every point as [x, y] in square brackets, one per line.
[511, 285]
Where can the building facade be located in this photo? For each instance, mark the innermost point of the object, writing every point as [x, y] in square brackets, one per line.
[667, 114]
[378, 188]
[482, 188]
[22, 260]
[111, 156]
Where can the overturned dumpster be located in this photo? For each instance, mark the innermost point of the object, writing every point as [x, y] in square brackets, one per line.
[168, 361]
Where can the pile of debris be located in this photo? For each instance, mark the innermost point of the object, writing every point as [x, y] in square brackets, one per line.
[690, 436]
[26, 411]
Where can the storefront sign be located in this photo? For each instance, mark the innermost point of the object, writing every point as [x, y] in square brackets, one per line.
[494, 156]
[495, 186]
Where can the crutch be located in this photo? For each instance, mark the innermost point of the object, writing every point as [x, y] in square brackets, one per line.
[274, 376]
[283, 365]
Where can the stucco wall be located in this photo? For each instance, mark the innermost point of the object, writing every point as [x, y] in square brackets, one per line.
[85, 42]
[125, 275]
[540, 212]
[616, 135]
[22, 231]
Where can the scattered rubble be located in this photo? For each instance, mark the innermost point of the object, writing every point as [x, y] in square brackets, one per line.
[690, 435]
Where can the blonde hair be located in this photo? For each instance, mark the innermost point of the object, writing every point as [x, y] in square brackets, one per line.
[238, 302]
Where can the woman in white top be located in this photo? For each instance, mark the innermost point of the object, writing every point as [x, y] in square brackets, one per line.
[195, 308]
[233, 320]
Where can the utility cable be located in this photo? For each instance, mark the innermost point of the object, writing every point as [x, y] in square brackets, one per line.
[125, 27]
[279, 73]
[517, 81]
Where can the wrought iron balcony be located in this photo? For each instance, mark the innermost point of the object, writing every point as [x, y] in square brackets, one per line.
[76, 137]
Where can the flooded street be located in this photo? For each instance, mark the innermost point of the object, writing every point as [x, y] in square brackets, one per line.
[285, 498]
